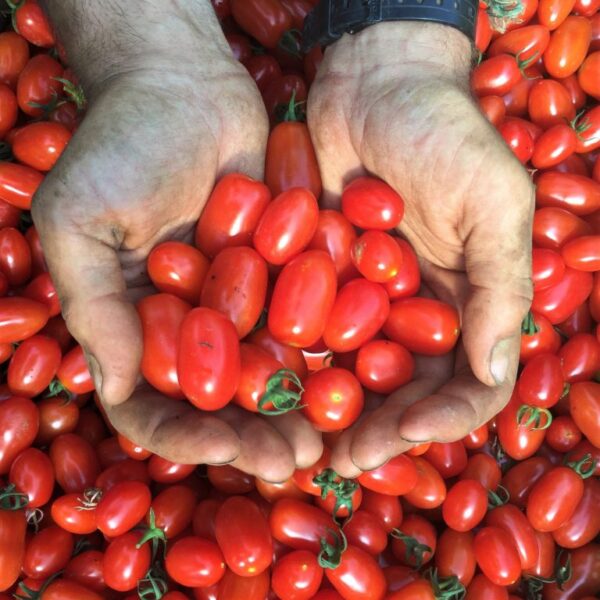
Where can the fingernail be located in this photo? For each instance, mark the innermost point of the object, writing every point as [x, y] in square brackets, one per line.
[500, 360]
[95, 371]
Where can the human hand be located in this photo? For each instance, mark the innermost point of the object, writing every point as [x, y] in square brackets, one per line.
[394, 101]
[170, 111]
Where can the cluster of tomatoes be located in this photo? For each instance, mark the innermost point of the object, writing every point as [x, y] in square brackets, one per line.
[281, 306]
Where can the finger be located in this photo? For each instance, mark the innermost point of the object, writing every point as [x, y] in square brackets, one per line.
[498, 266]
[304, 440]
[174, 430]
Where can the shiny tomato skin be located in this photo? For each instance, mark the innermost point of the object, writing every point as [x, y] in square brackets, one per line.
[420, 529]
[585, 409]
[483, 468]
[48, 552]
[496, 75]
[234, 587]
[67, 513]
[162, 470]
[554, 146]
[553, 227]
[396, 477]
[14, 55]
[333, 399]
[580, 357]
[559, 301]
[588, 75]
[520, 479]
[423, 325]
[549, 103]
[291, 163]
[548, 268]
[585, 577]
[195, 562]
[38, 84]
[568, 47]
[582, 253]
[449, 458]
[365, 531]
[75, 462]
[387, 509]
[19, 422]
[290, 357]
[552, 13]
[541, 382]
[122, 507]
[15, 256]
[231, 214]
[576, 193]
[481, 587]
[57, 416]
[74, 373]
[243, 535]
[41, 289]
[13, 526]
[335, 235]
[407, 281]
[229, 480]
[554, 498]
[236, 285]
[174, 509]
[65, 589]
[524, 41]
[493, 109]
[497, 556]
[208, 358]
[296, 576]
[9, 111]
[179, 269]
[86, 569]
[465, 505]
[302, 300]
[517, 138]
[455, 555]
[124, 564]
[589, 138]
[377, 256]
[304, 478]
[39, 145]
[483, 30]
[370, 203]
[361, 308]
[358, 576]
[546, 339]
[33, 24]
[430, 490]
[263, 68]
[266, 21]
[272, 492]
[33, 474]
[383, 366]
[563, 434]
[578, 96]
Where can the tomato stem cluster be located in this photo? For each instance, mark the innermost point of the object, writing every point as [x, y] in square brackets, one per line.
[343, 490]
[282, 399]
[413, 548]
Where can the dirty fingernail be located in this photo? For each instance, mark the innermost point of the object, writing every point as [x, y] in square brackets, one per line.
[500, 360]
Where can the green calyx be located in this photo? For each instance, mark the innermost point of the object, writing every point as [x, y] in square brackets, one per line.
[445, 588]
[331, 552]
[414, 551]
[534, 418]
[499, 497]
[343, 490]
[73, 92]
[584, 467]
[153, 534]
[528, 326]
[10, 499]
[154, 585]
[281, 398]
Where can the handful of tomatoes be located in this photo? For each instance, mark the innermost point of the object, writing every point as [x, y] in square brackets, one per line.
[282, 306]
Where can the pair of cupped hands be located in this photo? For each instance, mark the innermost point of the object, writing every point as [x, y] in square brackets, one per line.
[171, 111]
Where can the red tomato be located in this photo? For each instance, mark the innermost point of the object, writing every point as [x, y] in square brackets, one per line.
[483, 468]
[8, 113]
[33, 366]
[32, 474]
[585, 578]
[124, 564]
[497, 555]
[449, 459]
[297, 576]
[174, 509]
[545, 339]
[377, 256]
[302, 299]
[208, 359]
[39, 145]
[563, 434]
[553, 227]
[229, 480]
[276, 491]
[63, 589]
[240, 45]
[265, 20]
[243, 535]
[122, 507]
[396, 477]
[71, 513]
[408, 279]
[546, 552]
[12, 546]
[194, 562]
[14, 55]
[369, 203]
[161, 316]
[39, 85]
[203, 521]
[234, 587]
[585, 409]
[568, 47]
[493, 108]
[231, 214]
[162, 470]
[580, 357]
[387, 509]
[32, 23]
[549, 103]
[588, 75]
[15, 256]
[361, 308]
[465, 505]
[583, 253]
[10, 216]
[291, 358]
[264, 69]
[552, 13]
[527, 42]
[48, 552]
[588, 138]
[455, 555]
[483, 30]
[576, 193]
[179, 269]
[578, 96]
[74, 373]
[496, 75]
[278, 94]
[333, 399]
[430, 490]
[482, 588]
[291, 163]
[19, 422]
[75, 463]
[57, 416]
[41, 289]
[587, 8]
[517, 138]
[522, 477]
[414, 545]
[86, 569]
[298, 9]
[541, 382]
[366, 531]
[547, 267]
[236, 285]
[383, 366]
[554, 146]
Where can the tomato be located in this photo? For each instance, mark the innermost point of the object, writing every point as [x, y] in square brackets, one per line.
[568, 47]
[302, 299]
[122, 507]
[553, 227]
[208, 358]
[366, 531]
[497, 555]
[516, 105]
[563, 434]
[39, 145]
[552, 13]
[123, 563]
[10, 216]
[234, 587]
[64, 589]
[414, 544]
[496, 75]
[361, 308]
[377, 256]
[243, 535]
[585, 578]
[387, 509]
[396, 477]
[299, 525]
[553, 499]
[19, 422]
[203, 520]
[455, 555]
[545, 339]
[483, 30]
[39, 85]
[75, 463]
[383, 366]
[229, 480]
[541, 382]
[194, 562]
[576, 193]
[291, 163]
[86, 569]
[14, 55]
[41, 289]
[589, 130]
[519, 480]
[585, 409]
[527, 42]
[588, 75]
[549, 103]
[32, 23]
[297, 576]
[291, 358]
[548, 268]
[265, 20]
[586, 8]
[263, 68]
[583, 253]
[162, 470]
[70, 513]
[12, 545]
[32, 474]
[430, 490]
[576, 93]
[48, 552]
[231, 214]
[484, 469]
[73, 372]
[298, 9]
[131, 449]
[8, 111]
[15, 256]
[240, 45]
[449, 459]
[423, 325]
[554, 146]
[465, 505]
[580, 357]
[546, 551]
[57, 416]
[482, 588]
[279, 93]
[408, 279]
[493, 109]
[517, 138]
[333, 399]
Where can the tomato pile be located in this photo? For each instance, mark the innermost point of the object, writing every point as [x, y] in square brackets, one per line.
[280, 306]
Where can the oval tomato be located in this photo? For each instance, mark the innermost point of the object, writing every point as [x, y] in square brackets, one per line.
[585, 409]
[583, 253]
[383, 366]
[554, 146]
[449, 458]
[75, 462]
[74, 373]
[39, 85]
[124, 564]
[41, 289]
[430, 489]
[541, 382]
[32, 474]
[14, 55]
[396, 477]
[465, 505]
[553, 227]
[297, 575]
[366, 531]
[496, 75]
[64, 589]
[455, 555]
[568, 47]
[588, 75]
[377, 256]
[48, 552]
[71, 513]
[19, 422]
[408, 279]
[497, 555]
[265, 21]
[290, 357]
[15, 256]
[39, 145]
[547, 268]
[575, 193]
[122, 507]
[194, 562]
[32, 23]
[517, 138]
[13, 528]
[415, 543]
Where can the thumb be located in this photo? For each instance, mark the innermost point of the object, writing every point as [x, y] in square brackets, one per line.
[89, 281]
[498, 267]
